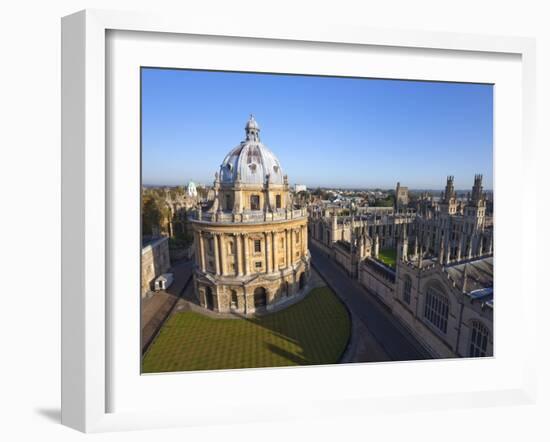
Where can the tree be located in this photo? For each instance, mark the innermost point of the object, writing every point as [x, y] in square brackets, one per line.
[150, 214]
[385, 202]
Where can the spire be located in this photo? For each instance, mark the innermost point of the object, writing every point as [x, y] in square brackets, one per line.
[480, 245]
[469, 248]
[477, 190]
[252, 129]
[449, 188]
[441, 250]
[447, 249]
[459, 247]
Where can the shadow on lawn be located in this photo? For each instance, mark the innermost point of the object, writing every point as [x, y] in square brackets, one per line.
[310, 325]
[287, 355]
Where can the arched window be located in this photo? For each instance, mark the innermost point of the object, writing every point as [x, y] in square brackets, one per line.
[209, 299]
[234, 301]
[228, 202]
[436, 310]
[278, 201]
[260, 297]
[478, 340]
[254, 202]
[407, 289]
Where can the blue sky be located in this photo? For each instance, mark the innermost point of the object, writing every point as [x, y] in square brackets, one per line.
[326, 131]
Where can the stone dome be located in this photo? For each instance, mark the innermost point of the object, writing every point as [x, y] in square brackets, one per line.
[252, 124]
[191, 189]
[251, 162]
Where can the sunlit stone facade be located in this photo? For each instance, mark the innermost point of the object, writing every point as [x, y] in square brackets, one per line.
[251, 245]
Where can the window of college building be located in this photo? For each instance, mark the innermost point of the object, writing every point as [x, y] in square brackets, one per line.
[478, 339]
[407, 289]
[257, 246]
[436, 310]
[278, 201]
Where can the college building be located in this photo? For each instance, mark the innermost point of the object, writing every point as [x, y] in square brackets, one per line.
[441, 286]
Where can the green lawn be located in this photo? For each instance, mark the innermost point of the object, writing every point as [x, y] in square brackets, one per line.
[388, 257]
[313, 331]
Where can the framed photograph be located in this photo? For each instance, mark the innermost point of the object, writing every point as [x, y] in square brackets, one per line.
[290, 222]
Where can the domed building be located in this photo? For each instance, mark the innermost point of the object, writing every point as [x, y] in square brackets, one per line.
[192, 190]
[251, 244]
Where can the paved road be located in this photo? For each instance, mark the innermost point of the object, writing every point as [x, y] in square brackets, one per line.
[395, 340]
[155, 310]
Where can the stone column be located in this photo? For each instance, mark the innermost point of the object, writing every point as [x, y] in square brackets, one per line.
[304, 238]
[287, 244]
[239, 254]
[202, 258]
[216, 254]
[270, 295]
[268, 257]
[197, 248]
[292, 235]
[218, 302]
[275, 260]
[223, 253]
[245, 305]
[246, 255]
[480, 246]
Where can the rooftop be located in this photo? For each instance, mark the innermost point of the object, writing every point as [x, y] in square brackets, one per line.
[479, 278]
[251, 162]
[250, 217]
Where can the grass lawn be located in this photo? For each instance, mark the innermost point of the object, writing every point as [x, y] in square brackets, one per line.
[388, 256]
[313, 331]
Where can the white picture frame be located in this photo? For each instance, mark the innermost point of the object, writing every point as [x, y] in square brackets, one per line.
[86, 205]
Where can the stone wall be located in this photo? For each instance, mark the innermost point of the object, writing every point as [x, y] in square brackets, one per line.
[241, 266]
[377, 281]
[155, 260]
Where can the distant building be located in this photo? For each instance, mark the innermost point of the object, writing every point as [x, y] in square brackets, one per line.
[300, 188]
[177, 202]
[192, 190]
[210, 195]
[401, 196]
[441, 288]
[155, 260]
